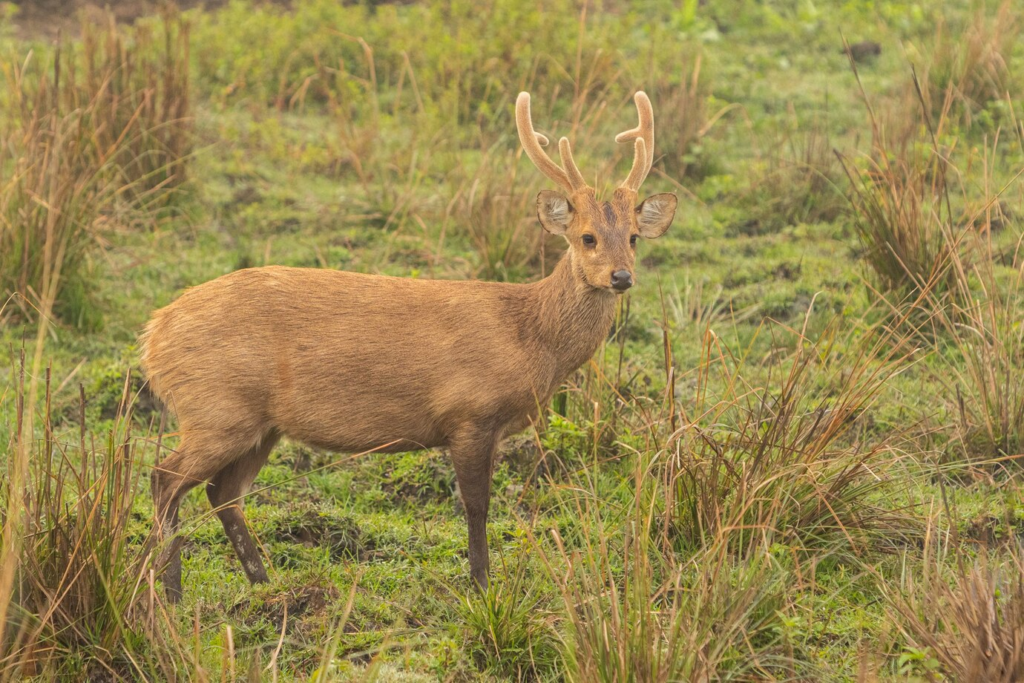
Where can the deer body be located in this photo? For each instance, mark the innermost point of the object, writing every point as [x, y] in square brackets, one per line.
[351, 362]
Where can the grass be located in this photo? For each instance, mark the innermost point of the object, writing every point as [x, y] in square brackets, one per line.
[969, 71]
[774, 464]
[794, 458]
[98, 133]
[56, 184]
[966, 622]
[138, 82]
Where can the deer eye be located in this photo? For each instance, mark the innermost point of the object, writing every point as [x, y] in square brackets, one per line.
[632, 240]
[589, 240]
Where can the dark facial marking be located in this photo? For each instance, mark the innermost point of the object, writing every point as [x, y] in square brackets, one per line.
[609, 213]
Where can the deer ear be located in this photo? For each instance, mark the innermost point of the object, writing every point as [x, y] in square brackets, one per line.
[655, 214]
[555, 212]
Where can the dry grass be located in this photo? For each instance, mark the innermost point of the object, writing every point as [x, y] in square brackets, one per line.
[55, 180]
[980, 348]
[76, 568]
[799, 181]
[78, 599]
[495, 208]
[901, 198]
[87, 133]
[782, 462]
[968, 623]
[684, 119]
[968, 70]
[639, 614]
[674, 575]
[137, 81]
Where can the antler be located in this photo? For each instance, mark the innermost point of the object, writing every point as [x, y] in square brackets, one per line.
[568, 177]
[643, 155]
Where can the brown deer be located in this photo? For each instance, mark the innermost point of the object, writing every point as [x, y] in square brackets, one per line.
[351, 362]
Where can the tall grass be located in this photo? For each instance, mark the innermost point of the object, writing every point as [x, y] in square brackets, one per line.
[980, 352]
[799, 180]
[137, 81]
[901, 197]
[463, 54]
[675, 534]
[638, 611]
[55, 180]
[969, 69]
[391, 163]
[84, 135]
[78, 598]
[684, 119]
[494, 206]
[782, 461]
[75, 585]
[964, 622]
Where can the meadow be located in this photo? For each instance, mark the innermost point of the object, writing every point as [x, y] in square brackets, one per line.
[795, 457]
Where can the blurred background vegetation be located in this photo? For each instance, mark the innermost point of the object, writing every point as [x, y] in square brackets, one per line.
[794, 458]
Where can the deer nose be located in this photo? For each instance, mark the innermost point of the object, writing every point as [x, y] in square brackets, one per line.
[622, 280]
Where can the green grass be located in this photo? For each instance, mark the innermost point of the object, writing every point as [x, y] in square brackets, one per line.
[787, 463]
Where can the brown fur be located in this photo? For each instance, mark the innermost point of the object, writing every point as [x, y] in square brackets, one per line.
[352, 362]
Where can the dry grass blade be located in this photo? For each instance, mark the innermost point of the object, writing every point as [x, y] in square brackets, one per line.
[969, 69]
[497, 214]
[901, 201]
[972, 622]
[103, 128]
[781, 463]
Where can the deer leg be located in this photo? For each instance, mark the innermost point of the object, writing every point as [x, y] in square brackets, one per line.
[226, 492]
[472, 455]
[170, 481]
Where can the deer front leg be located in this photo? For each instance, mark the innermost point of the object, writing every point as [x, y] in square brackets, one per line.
[473, 454]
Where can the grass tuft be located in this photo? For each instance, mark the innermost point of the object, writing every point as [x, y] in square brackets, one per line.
[966, 623]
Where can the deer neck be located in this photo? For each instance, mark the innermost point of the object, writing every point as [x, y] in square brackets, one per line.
[574, 318]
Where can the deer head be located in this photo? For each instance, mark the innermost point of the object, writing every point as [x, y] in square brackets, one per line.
[602, 236]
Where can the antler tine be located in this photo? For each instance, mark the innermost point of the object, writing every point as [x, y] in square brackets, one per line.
[571, 170]
[643, 132]
[569, 178]
[640, 165]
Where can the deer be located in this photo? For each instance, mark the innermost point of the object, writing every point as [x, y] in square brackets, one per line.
[351, 362]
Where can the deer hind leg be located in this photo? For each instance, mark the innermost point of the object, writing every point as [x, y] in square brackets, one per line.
[473, 456]
[226, 492]
[199, 456]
